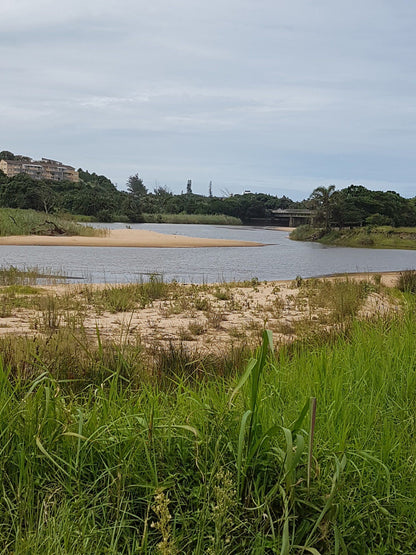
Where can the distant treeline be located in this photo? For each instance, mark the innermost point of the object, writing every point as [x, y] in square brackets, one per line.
[96, 197]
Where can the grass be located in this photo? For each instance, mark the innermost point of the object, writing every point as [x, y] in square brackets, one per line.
[180, 464]
[15, 279]
[31, 222]
[208, 219]
[407, 281]
[115, 298]
[383, 237]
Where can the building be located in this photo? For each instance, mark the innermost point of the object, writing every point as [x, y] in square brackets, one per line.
[39, 169]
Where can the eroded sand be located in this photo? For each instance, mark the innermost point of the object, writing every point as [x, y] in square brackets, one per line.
[124, 238]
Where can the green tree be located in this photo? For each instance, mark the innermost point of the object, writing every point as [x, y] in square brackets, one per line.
[321, 198]
[135, 186]
[6, 155]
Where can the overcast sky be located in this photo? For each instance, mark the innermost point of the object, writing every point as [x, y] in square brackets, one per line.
[276, 96]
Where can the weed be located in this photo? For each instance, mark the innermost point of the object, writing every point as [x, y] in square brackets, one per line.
[215, 319]
[202, 303]
[407, 281]
[163, 524]
[196, 328]
[222, 294]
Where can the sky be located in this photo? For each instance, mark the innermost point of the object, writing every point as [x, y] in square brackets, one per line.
[273, 96]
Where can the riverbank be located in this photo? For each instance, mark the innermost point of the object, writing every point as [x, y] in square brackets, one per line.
[125, 238]
[384, 237]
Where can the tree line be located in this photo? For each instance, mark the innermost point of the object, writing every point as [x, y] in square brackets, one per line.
[356, 206]
[95, 196]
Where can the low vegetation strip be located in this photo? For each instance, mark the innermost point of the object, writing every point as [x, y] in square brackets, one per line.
[309, 448]
[206, 219]
[383, 237]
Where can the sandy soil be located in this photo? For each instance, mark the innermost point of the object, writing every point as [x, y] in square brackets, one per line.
[203, 317]
[124, 238]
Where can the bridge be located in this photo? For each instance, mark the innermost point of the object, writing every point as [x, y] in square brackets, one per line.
[292, 217]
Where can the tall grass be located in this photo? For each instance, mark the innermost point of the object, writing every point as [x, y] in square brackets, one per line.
[223, 465]
[29, 222]
[211, 219]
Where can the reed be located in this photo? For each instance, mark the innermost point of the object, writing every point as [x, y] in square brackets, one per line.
[208, 219]
[29, 222]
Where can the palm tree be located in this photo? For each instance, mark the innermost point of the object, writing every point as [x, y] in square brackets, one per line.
[322, 199]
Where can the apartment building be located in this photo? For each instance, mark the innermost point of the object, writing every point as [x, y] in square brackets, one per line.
[39, 169]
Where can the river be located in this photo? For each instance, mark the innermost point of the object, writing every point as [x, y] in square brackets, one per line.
[280, 258]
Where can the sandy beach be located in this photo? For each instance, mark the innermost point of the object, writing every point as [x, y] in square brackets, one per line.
[124, 238]
[204, 317]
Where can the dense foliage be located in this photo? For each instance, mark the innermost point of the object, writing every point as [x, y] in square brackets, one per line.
[96, 196]
[357, 206]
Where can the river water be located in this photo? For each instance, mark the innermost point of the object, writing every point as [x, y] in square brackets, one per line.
[280, 258]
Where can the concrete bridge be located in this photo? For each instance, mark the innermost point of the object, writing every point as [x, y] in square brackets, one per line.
[292, 217]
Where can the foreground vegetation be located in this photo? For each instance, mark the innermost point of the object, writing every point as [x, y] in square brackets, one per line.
[31, 222]
[102, 453]
[381, 237]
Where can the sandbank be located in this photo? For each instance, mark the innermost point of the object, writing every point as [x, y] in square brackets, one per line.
[198, 317]
[124, 238]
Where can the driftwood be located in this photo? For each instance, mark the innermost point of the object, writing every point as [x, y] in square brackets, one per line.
[52, 229]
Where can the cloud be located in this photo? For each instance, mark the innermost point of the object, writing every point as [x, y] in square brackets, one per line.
[268, 91]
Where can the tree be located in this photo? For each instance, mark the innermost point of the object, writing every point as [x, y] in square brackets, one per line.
[321, 198]
[135, 186]
[6, 155]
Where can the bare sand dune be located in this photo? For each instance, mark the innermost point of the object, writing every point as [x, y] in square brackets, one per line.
[124, 238]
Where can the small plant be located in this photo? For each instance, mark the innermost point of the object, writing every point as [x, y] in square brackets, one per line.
[5, 306]
[184, 334]
[162, 524]
[215, 318]
[196, 328]
[407, 281]
[297, 282]
[222, 294]
[51, 313]
[224, 506]
[377, 279]
[202, 303]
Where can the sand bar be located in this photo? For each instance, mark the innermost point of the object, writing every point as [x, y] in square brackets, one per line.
[124, 238]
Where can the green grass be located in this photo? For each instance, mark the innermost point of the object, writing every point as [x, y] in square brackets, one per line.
[101, 455]
[30, 222]
[208, 219]
[383, 237]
